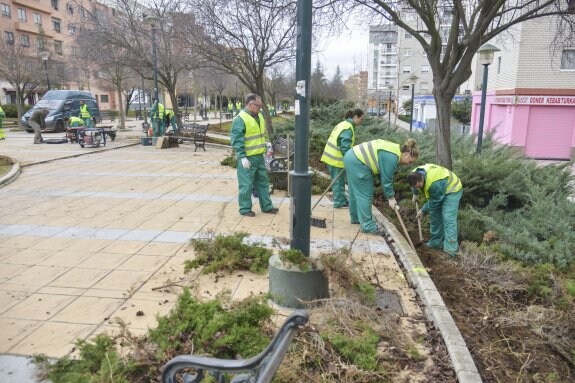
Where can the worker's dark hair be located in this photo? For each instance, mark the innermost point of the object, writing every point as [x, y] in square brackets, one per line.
[251, 97]
[413, 178]
[410, 146]
[352, 113]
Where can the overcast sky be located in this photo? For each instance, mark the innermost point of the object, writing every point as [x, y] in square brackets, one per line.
[343, 51]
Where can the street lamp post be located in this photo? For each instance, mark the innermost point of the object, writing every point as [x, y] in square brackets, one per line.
[486, 53]
[413, 79]
[389, 105]
[236, 99]
[153, 21]
[45, 55]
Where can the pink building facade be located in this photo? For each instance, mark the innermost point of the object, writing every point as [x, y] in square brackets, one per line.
[540, 122]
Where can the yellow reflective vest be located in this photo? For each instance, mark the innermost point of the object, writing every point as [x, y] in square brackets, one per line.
[254, 139]
[76, 121]
[160, 110]
[84, 112]
[435, 173]
[367, 152]
[332, 154]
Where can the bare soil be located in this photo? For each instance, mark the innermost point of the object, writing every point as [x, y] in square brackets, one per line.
[512, 337]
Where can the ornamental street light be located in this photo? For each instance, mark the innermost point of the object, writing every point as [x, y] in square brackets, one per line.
[486, 53]
[153, 21]
[412, 79]
[389, 105]
[45, 55]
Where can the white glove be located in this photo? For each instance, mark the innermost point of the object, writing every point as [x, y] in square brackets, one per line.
[393, 204]
[246, 163]
[414, 198]
[420, 214]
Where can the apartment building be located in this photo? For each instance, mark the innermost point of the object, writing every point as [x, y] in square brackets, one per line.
[51, 26]
[356, 87]
[530, 92]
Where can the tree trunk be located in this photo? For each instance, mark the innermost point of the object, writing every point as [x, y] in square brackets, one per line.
[443, 130]
[121, 107]
[19, 106]
[260, 91]
[174, 99]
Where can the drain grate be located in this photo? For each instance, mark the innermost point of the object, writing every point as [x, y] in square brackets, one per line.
[388, 300]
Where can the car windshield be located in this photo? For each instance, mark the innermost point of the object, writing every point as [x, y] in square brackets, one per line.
[49, 104]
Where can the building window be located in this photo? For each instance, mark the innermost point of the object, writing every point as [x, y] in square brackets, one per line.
[408, 35]
[425, 69]
[22, 14]
[56, 25]
[55, 4]
[407, 52]
[24, 40]
[498, 64]
[40, 43]
[71, 29]
[58, 47]
[405, 87]
[9, 38]
[6, 10]
[407, 69]
[37, 19]
[70, 9]
[424, 87]
[83, 12]
[568, 59]
[104, 98]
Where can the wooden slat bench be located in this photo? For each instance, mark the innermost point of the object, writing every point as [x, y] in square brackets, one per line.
[194, 133]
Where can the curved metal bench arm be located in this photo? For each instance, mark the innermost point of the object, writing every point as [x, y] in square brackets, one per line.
[260, 368]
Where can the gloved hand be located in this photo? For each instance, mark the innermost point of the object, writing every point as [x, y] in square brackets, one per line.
[414, 198]
[246, 163]
[420, 214]
[393, 204]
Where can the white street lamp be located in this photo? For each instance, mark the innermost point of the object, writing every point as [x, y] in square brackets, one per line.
[486, 53]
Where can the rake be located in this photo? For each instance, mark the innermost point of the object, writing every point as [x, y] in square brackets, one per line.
[320, 222]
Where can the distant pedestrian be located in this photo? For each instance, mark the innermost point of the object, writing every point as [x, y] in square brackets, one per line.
[443, 191]
[2, 115]
[341, 139]
[38, 123]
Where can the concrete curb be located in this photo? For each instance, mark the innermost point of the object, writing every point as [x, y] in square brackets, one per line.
[11, 175]
[433, 304]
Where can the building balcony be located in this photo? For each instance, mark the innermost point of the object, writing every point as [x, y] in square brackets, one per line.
[392, 51]
[36, 5]
[389, 65]
[32, 29]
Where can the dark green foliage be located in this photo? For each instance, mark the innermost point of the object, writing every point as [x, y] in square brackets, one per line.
[229, 161]
[98, 362]
[12, 112]
[207, 328]
[296, 258]
[461, 111]
[228, 252]
[360, 350]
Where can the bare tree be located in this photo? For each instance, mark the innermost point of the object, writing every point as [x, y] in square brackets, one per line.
[20, 68]
[276, 85]
[244, 38]
[471, 23]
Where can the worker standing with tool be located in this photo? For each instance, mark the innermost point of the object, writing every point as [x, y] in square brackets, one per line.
[362, 163]
[248, 140]
[341, 139]
[443, 191]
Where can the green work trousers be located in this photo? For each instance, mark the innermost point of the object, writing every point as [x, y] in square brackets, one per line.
[338, 187]
[256, 176]
[443, 224]
[360, 186]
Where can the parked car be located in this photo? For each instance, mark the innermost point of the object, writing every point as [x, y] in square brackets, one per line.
[62, 104]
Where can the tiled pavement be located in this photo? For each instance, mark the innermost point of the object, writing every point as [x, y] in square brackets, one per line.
[89, 238]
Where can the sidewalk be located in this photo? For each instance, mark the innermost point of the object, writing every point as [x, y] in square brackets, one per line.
[92, 234]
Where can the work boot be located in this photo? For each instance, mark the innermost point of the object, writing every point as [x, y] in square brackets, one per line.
[273, 210]
[249, 214]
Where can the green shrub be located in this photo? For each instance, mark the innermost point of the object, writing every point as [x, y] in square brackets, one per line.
[360, 350]
[11, 110]
[296, 258]
[228, 252]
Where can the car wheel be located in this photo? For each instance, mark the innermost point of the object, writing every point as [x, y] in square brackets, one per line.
[59, 126]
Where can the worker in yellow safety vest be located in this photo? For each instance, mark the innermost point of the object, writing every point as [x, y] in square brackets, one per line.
[364, 162]
[85, 114]
[341, 139]
[443, 191]
[157, 116]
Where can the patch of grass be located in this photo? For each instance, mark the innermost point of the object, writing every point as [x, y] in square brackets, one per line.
[360, 350]
[5, 165]
[229, 161]
[570, 287]
[296, 258]
[366, 292]
[227, 252]
[207, 328]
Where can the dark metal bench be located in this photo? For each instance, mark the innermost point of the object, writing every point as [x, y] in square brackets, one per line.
[194, 133]
[278, 168]
[107, 115]
[258, 369]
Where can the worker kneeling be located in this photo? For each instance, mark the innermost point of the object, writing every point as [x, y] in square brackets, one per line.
[443, 191]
